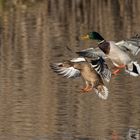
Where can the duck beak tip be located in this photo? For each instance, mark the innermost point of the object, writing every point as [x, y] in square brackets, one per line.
[84, 37]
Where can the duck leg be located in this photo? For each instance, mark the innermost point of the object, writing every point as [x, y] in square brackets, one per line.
[116, 71]
[89, 88]
[86, 87]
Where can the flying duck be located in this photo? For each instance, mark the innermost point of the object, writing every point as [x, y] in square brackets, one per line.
[93, 73]
[120, 53]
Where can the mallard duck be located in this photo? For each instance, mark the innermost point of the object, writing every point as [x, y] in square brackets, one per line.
[93, 73]
[119, 53]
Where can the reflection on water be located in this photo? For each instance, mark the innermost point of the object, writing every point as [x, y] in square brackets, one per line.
[35, 103]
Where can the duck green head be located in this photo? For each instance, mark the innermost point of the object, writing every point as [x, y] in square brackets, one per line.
[93, 36]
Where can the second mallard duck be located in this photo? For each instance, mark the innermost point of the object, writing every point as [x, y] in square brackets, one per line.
[118, 53]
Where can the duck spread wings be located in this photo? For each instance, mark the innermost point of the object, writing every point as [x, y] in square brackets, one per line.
[91, 53]
[66, 69]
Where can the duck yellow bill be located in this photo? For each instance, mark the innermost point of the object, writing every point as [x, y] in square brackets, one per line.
[84, 37]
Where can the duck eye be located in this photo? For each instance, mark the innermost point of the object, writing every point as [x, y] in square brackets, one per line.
[61, 65]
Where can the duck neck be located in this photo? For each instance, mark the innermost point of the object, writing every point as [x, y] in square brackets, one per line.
[101, 41]
[104, 46]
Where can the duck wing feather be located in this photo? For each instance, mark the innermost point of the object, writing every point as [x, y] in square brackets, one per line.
[102, 68]
[91, 53]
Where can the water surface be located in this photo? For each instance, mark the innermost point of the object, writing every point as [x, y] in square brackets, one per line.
[35, 103]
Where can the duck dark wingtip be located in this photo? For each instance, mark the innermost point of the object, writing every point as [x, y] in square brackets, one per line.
[77, 52]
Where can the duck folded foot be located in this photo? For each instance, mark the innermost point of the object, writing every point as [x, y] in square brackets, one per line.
[116, 72]
[87, 89]
[84, 88]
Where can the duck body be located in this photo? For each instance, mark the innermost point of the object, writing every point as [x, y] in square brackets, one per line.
[117, 56]
[90, 75]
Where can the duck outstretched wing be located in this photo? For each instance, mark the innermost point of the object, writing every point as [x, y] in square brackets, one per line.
[102, 68]
[69, 72]
[91, 53]
[66, 68]
[131, 45]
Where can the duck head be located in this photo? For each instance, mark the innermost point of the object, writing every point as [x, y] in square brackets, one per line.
[92, 36]
[102, 43]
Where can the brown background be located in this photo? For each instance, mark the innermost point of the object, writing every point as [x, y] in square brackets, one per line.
[35, 103]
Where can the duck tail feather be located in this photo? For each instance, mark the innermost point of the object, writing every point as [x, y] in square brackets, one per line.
[102, 92]
[133, 68]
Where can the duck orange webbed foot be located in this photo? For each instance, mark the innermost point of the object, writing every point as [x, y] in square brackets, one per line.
[116, 72]
[86, 89]
[89, 89]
